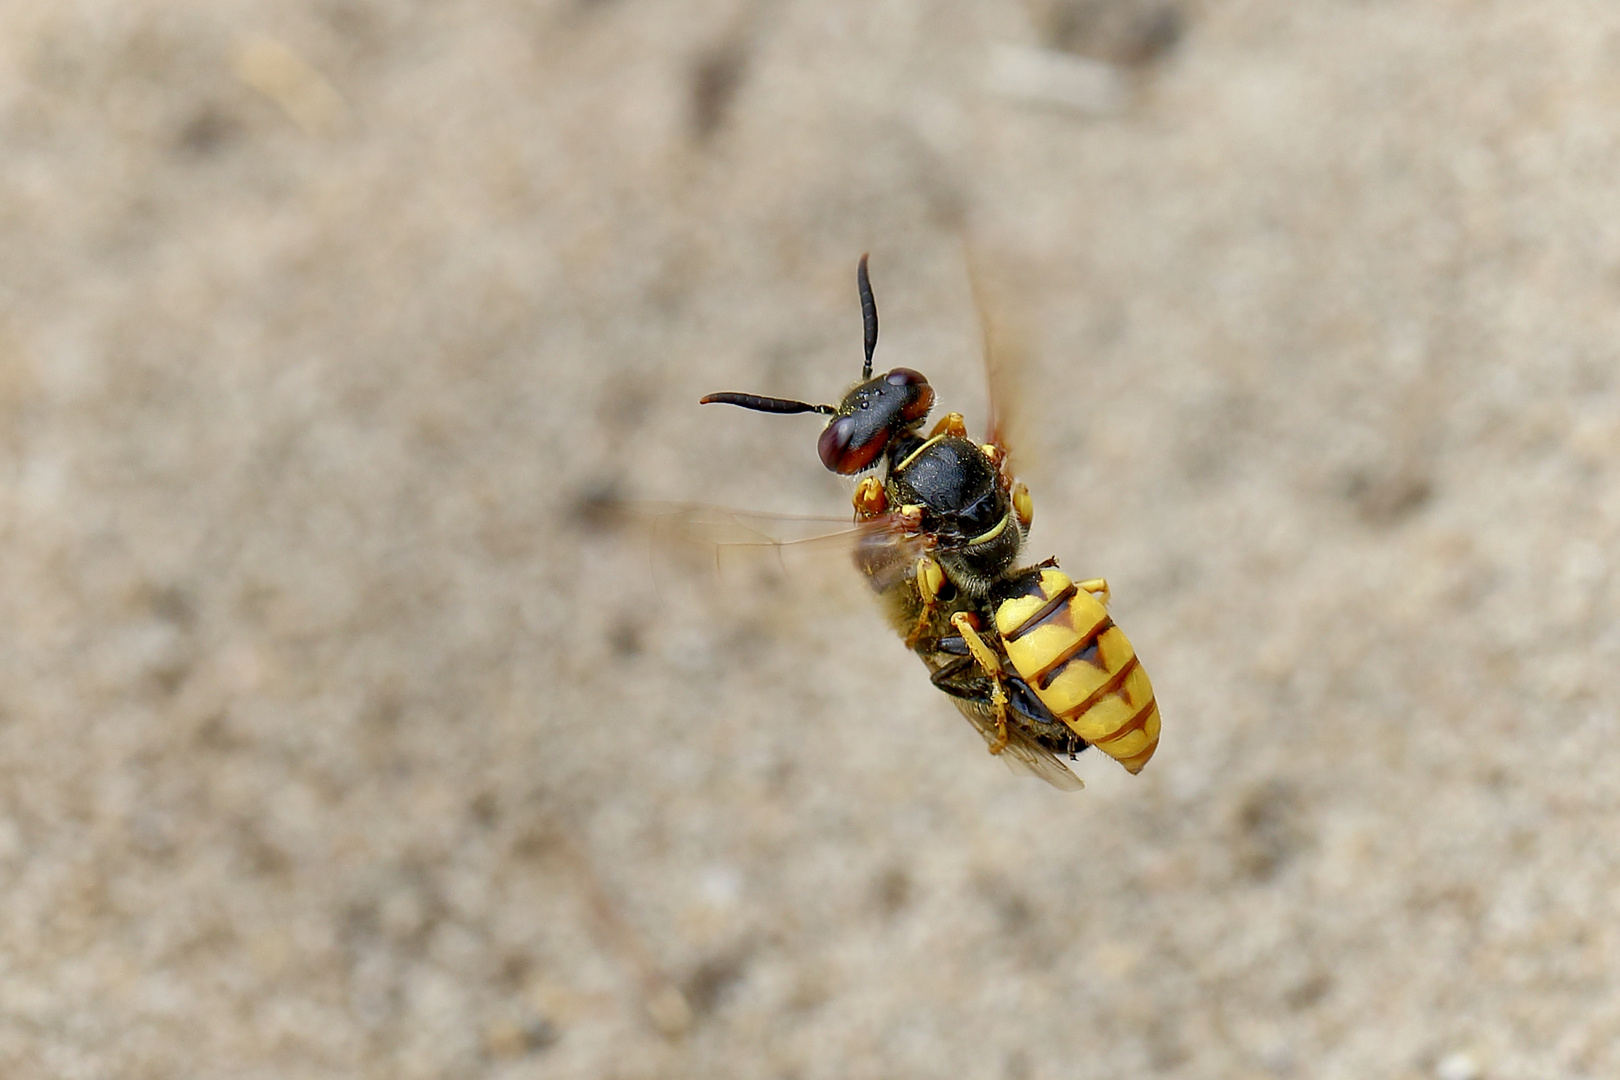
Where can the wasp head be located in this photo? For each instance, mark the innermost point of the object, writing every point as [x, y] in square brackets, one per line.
[871, 415]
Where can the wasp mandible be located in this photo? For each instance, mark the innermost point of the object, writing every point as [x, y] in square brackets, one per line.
[1030, 657]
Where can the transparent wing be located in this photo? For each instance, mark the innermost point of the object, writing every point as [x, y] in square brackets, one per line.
[1004, 353]
[746, 549]
[1023, 756]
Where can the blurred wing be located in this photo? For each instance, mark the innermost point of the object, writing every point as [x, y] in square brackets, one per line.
[1004, 356]
[1024, 757]
[742, 549]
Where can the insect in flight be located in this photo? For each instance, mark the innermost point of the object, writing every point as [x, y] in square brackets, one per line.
[1030, 657]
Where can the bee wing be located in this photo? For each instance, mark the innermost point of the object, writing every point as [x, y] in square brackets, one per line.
[742, 547]
[1022, 755]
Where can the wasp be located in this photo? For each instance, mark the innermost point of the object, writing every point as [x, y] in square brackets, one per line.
[1030, 657]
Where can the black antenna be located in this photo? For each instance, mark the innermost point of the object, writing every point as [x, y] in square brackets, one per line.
[766, 404]
[868, 315]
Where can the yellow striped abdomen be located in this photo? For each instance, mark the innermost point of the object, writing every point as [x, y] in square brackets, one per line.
[1082, 667]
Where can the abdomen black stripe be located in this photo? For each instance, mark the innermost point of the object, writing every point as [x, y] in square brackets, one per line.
[1046, 611]
[1044, 677]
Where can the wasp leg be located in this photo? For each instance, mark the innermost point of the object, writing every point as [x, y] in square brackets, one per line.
[1023, 505]
[869, 499]
[991, 664]
[1098, 585]
[950, 424]
[930, 582]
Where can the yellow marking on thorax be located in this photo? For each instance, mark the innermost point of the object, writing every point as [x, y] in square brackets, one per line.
[914, 454]
[985, 538]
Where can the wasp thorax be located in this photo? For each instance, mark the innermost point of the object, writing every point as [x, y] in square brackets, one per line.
[959, 487]
[870, 416]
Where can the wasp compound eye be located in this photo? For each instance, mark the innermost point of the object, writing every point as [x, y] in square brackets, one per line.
[850, 445]
[871, 415]
[919, 395]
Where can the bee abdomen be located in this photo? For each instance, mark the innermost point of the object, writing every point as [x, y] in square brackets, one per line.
[1082, 667]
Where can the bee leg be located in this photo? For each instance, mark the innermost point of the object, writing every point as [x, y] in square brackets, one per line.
[930, 582]
[959, 676]
[1099, 586]
[987, 659]
[948, 678]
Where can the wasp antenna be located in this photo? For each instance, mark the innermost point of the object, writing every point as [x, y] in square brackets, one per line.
[868, 315]
[766, 404]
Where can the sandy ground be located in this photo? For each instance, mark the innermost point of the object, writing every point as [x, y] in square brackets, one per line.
[343, 735]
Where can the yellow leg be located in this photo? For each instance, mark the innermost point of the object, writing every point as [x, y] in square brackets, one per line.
[1023, 505]
[930, 579]
[1097, 586]
[869, 499]
[987, 659]
[950, 424]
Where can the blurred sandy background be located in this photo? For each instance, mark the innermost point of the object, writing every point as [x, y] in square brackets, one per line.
[342, 735]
